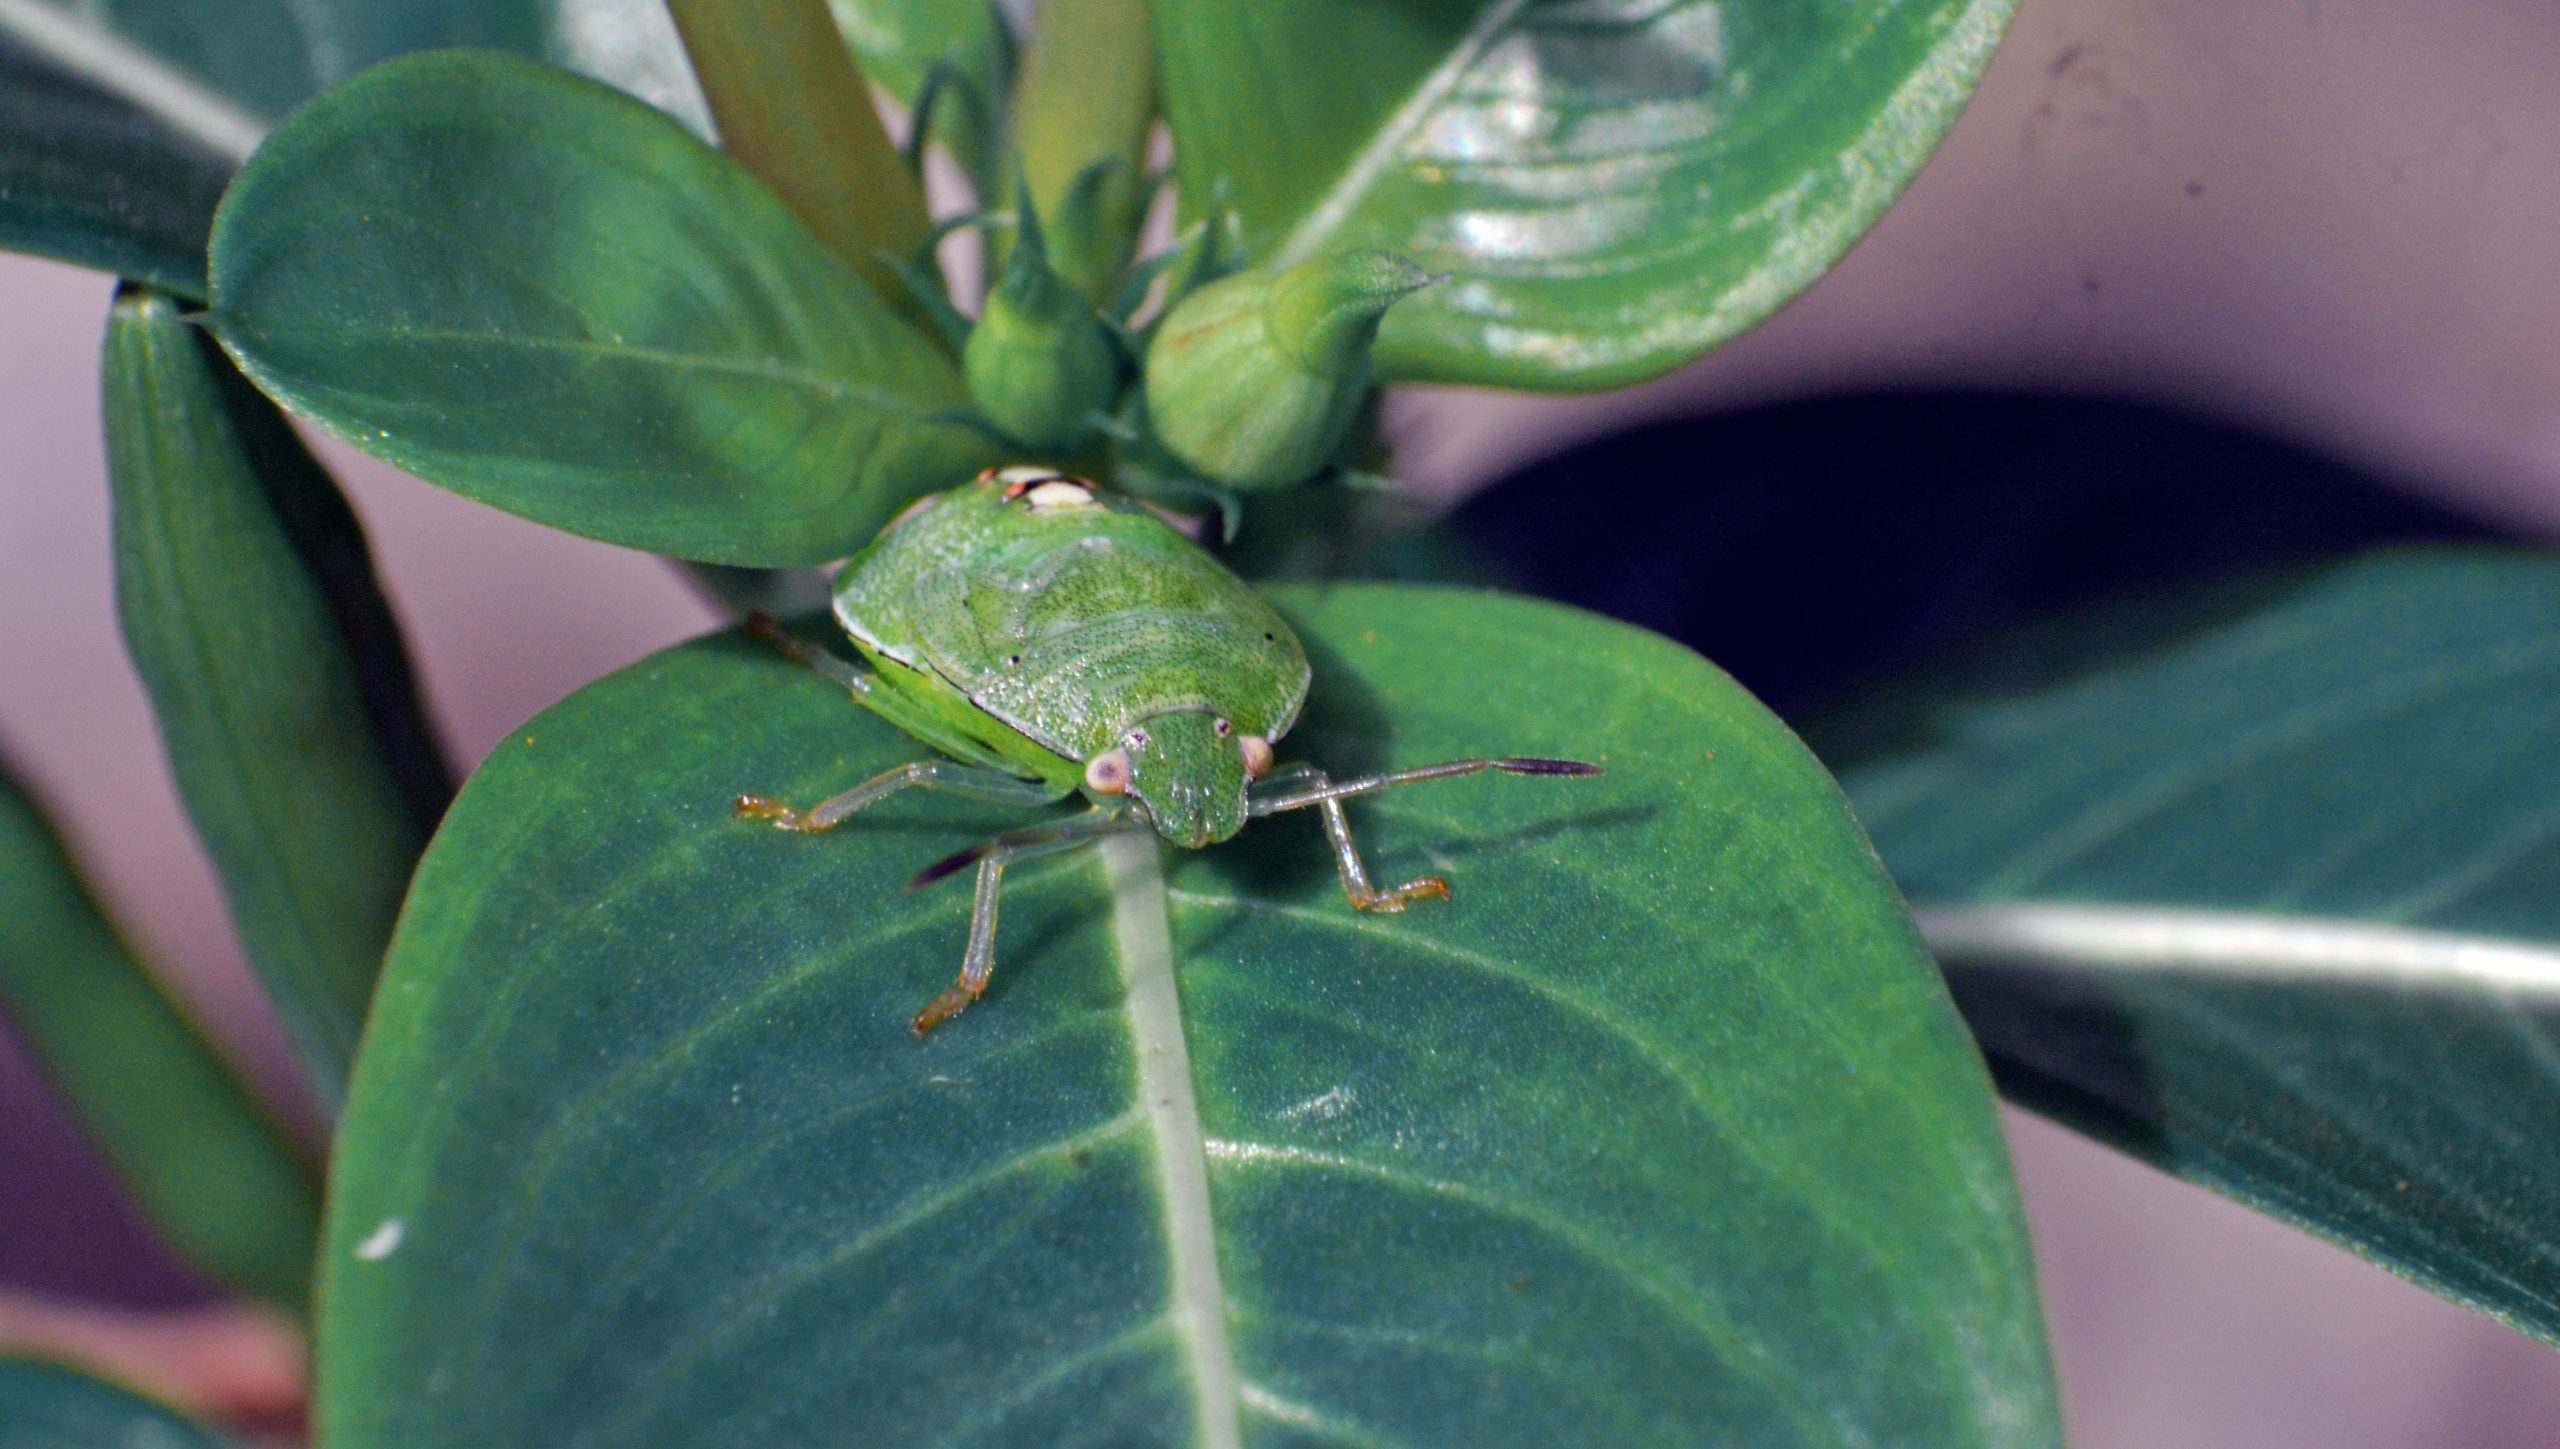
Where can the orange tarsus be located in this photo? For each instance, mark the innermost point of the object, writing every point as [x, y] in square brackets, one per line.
[941, 1009]
[1429, 888]
[758, 807]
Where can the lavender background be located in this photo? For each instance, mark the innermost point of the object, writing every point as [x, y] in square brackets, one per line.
[2330, 218]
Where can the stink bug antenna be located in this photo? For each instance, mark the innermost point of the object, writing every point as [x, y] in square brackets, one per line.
[1325, 790]
[1029, 841]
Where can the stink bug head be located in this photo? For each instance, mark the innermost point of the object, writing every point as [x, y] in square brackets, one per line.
[1188, 770]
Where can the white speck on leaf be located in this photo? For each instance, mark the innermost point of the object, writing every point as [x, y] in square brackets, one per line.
[1323, 1107]
[381, 1243]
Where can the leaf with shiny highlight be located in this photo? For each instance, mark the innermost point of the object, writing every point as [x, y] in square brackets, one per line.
[2263, 886]
[1613, 186]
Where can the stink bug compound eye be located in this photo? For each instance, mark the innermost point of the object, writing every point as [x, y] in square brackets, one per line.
[1051, 638]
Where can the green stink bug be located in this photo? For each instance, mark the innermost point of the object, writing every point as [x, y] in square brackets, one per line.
[1051, 638]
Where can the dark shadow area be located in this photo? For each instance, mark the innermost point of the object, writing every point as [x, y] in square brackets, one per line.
[1816, 547]
[2068, 1048]
[1811, 546]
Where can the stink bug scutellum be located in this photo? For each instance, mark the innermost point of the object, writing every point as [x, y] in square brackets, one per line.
[1051, 638]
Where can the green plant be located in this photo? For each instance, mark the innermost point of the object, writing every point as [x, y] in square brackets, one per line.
[1664, 1130]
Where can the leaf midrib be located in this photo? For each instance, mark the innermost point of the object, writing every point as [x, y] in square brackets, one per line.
[833, 390]
[2236, 945]
[1142, 933]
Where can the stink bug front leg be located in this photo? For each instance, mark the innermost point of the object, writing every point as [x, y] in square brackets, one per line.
[1296, 787]
[978, 962]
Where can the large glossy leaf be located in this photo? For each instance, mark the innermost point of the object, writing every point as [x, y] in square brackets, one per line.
[536, 291]
[1661, 1131]
[2265, 887]
[121, 120]
[1613, 186]
[213, 1172]
[283, 693]
[46, 1406]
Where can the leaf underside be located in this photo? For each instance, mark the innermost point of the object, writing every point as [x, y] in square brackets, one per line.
[1661, 1131]
[2265, 888]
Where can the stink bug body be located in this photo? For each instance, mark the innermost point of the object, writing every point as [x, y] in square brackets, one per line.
[1051, 638]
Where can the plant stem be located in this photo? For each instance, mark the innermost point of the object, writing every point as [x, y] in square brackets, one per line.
[794, 109]
[1087, 95]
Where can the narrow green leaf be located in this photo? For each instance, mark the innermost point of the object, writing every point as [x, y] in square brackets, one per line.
[793, 110]
[211, 1170]
[1660, 1131]
[121, 120]
[1088, 101]
[537, 292]
[47, 1406]
[1613, 185]
[2265, 888]
[249, 607]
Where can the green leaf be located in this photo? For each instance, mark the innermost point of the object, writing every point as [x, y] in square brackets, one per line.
[85, 178]
[2265, 889]
[121, 120]
[1661, 1131]
[282, 689]
[208, 1166]
[957, 53]
[47, 1406]
[1614, 186]
[791, 109]
[1087, 105]
[542, 294]
[900, 42]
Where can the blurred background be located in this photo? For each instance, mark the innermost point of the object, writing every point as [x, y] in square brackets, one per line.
[2190, 286]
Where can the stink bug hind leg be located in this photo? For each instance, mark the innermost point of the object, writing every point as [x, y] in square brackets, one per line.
[825, 661]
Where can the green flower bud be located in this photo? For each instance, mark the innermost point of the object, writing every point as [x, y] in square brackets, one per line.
[1041, 363]
[1255, 379]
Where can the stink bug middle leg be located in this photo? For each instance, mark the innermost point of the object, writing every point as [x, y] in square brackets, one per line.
[968, 781]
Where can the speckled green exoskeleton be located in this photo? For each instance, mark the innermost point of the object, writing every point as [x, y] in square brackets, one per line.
[1050, 637]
